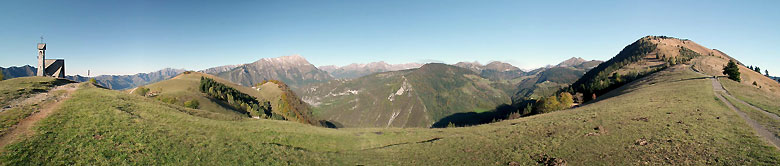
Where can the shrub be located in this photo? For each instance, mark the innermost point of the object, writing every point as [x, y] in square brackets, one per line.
[92, 81]
[194, 104]
[141, 91]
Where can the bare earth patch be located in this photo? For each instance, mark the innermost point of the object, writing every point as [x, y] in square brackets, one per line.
[52, 100]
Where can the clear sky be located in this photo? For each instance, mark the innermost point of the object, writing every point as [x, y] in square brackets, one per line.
[127, 37]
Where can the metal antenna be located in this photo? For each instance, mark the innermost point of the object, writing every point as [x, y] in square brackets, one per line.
[41, 38]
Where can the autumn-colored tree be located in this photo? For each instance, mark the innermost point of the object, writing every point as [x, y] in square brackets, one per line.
[565, 99]
[546, 104]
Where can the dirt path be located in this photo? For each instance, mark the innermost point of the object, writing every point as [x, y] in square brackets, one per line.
[720, 92]
[24, 126]
[767, 113]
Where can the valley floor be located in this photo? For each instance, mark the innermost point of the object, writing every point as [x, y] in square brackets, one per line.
[668, 118]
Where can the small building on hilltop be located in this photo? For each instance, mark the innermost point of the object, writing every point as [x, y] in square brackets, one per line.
[49, 67]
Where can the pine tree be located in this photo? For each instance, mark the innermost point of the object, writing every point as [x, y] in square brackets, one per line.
[732, 70]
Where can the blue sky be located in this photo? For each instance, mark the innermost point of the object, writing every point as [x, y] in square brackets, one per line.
[127, 37]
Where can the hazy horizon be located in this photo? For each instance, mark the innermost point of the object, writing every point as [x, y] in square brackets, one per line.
[130, 37]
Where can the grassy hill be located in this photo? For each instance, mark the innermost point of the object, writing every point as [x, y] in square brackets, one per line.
[407, 98]
[185, 87]
[643, 57]
[668, 118]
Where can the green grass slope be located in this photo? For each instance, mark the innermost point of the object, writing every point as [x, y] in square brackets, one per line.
[185, 87]
[408, 98]
[669, 118]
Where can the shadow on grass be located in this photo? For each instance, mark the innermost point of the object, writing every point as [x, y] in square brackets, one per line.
[501, 112]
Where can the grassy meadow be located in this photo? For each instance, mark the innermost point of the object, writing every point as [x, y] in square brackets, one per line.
[671, 117]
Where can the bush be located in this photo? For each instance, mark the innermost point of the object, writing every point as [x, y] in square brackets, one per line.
[169, 100]
[194, 104]
[141, 91]
[92, 81]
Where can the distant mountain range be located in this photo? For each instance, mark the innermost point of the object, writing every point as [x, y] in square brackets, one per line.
[22, 71]
[218, 69]
[358, 70]
[130, 81]
[494, 70]
[109, 81]
[426, 96]
[407, 98]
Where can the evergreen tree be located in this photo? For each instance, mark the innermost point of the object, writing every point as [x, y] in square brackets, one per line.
[765, 71]
[758, 70]
[732, 70]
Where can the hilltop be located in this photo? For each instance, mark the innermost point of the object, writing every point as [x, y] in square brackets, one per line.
[185, 87]
[653, 53]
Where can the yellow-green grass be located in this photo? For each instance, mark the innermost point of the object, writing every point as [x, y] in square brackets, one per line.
[677, 115]
[753, 95]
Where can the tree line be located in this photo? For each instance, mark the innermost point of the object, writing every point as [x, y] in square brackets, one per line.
[241, 101]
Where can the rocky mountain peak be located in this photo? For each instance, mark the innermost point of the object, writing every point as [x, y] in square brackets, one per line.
[574, 61]
[286, 60]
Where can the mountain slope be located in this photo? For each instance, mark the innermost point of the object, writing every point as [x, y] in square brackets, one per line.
[406, 98]
[549, 80]
[293, 70]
